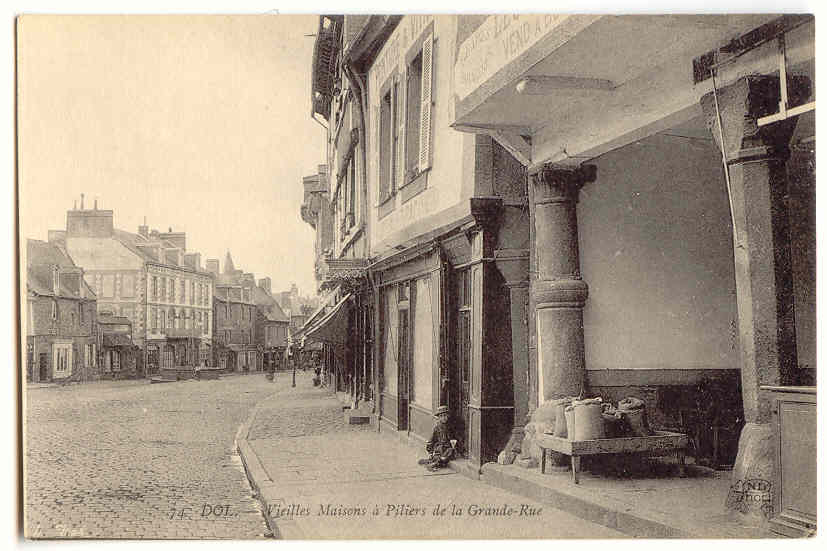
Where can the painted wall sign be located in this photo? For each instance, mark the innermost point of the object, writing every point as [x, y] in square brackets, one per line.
[393, 53]
[498, 41]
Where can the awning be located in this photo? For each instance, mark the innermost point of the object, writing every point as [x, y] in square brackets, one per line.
[320, 312]
[333, 326]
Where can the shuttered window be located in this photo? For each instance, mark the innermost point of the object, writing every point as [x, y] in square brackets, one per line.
[418, 109]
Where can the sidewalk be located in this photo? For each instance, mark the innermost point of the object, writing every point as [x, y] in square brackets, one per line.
[660, 506]
[318, 477]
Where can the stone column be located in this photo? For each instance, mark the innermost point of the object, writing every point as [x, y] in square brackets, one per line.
[558, 293]
[763, 270]
[491, 407]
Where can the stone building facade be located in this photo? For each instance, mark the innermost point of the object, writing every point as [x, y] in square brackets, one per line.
[62, 341]
[234, 311]
[149, 278]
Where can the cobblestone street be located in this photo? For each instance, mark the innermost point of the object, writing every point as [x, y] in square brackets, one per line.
[127, 459]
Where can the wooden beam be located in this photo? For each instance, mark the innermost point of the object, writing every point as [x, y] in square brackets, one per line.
[515, 144]
[540, 85]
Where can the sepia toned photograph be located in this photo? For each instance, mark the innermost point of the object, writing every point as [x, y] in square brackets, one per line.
[455, 276]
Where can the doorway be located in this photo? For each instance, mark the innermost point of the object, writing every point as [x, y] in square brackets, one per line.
[43, 367]
[462, 366]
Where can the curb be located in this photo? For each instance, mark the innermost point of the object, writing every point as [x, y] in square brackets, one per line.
[264, 488]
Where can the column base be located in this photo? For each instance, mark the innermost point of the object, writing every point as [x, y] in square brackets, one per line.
[751, 490]
[512, 448]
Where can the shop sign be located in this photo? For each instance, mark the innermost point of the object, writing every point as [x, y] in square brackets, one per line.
[496, 43]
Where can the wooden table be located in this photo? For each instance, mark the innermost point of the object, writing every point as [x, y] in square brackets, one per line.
[660, 443]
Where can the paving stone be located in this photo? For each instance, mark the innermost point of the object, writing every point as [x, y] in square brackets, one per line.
[116, 460]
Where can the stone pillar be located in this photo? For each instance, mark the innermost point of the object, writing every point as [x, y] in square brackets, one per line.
[558, 293]
[763, 270]
[491, 407]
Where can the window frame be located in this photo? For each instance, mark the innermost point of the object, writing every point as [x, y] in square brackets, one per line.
[390, 88]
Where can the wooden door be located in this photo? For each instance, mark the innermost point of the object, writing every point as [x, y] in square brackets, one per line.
[403, 369]
[43, 367]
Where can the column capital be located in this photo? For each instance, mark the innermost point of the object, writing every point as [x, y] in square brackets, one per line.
[741, 104]
[554, 183]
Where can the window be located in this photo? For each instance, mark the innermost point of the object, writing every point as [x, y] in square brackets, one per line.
[385, 147]
[206, 323]
[206, 295]
[163, 320]
[183, 291]
[200, 294]
[62, 358]
[128, 311]
[155, 287]
[192, 292]
[55, 280]
[154, 318]
[108, 286]
[128, 285]
[80, 312]
[54, 309]
[418, 110]
[171, 290]
[226, 311]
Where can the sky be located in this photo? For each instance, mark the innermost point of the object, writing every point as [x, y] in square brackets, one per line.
[199, 123]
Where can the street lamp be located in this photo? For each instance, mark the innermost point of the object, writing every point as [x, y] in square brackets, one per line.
[294, 374]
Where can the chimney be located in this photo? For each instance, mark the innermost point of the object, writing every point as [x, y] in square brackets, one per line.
[96, 203]
[265, 284]
[89, 223]
[143, 229]
[212, 266]
[81, 201]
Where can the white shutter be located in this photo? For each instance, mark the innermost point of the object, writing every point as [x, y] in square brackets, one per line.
[400, 87]
[425, 112]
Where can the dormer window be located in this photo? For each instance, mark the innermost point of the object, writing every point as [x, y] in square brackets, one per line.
[56, 280]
